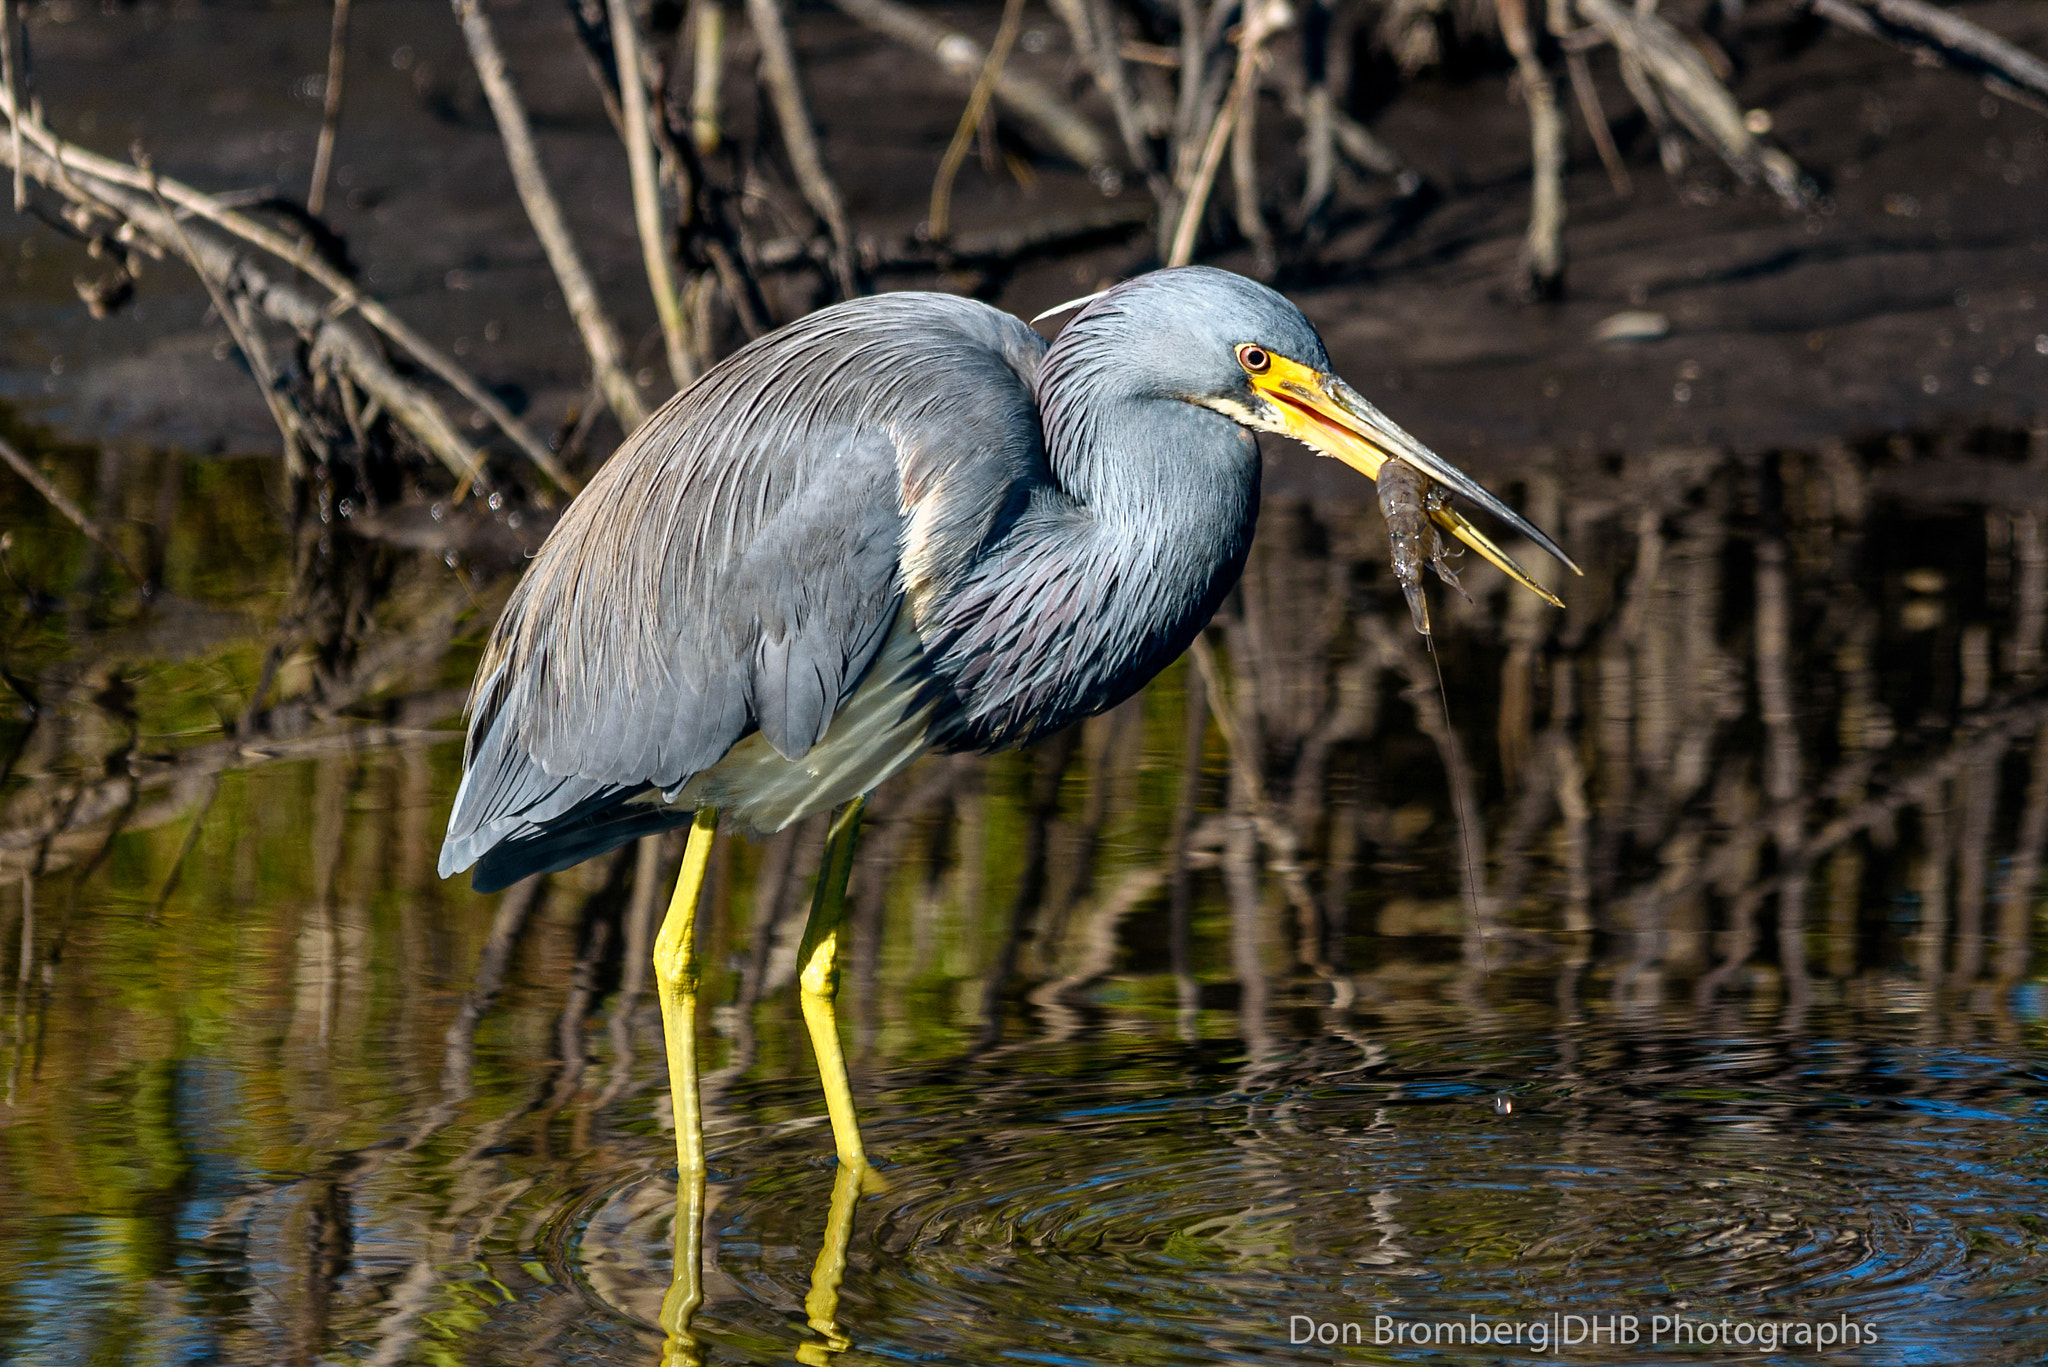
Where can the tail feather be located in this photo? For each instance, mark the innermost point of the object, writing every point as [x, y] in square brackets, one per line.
[511, 817]
[602, 823]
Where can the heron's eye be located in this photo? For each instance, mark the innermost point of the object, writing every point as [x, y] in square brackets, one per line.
[1254, 359]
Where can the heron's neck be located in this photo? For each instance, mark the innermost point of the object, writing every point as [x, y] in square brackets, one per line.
[1108, 574]
[1159, 486]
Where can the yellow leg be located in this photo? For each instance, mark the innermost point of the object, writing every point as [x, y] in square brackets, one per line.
[675, 976]
[821, 1306]
[818, 983]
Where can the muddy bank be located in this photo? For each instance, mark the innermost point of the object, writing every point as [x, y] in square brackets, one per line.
[1913, 297]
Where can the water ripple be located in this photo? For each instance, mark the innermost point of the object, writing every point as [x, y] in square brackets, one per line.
[1145, 1204]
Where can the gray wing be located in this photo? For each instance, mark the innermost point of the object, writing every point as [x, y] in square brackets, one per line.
[736, 565]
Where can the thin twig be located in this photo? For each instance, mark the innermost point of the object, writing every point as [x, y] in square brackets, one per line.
[800, 136]
[329, 340]
[1358, 144]
[330, 108]
[7, 24]
[639, 136]
[1698, 98]
[1262, 22]
[1244, 184]
[706, 71]
[247, 338]
[1064, 126]
[1192, 50]
[970, 119]
[737, 286]
[1095, 43]
[66, 158]
[1931, 31]
[600, 337]
[1318, 136]
[1542, 261]
[1182, 250]
[71, 512]
[1205, 85]
[1596, 122]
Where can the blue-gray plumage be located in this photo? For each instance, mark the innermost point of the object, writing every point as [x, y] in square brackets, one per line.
[899, 524]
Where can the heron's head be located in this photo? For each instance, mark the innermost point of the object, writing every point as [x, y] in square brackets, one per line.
[1222, 342]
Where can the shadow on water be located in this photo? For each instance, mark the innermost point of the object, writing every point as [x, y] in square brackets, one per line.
[1203, 1027]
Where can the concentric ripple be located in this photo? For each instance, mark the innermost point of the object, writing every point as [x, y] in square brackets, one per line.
[1126, 1201]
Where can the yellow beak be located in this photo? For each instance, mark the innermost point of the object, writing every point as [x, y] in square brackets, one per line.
[1328, 415]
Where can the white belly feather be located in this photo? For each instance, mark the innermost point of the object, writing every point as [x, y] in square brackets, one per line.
[869, 740]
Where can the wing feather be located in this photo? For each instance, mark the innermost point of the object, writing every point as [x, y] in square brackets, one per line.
[736, 566]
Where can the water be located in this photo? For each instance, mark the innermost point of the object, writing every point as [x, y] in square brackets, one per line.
[1724, 1009]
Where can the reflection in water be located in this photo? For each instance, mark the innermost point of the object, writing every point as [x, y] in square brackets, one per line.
[1189, 1020]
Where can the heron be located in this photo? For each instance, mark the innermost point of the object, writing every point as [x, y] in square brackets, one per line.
[902, 524]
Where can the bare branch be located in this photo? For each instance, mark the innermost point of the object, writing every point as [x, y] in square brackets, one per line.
[639, 136]
[707, 69]
[330, 108]
[970, 119]
[1697, 97]
[1262, 22]
[799, 138]
[7, 78]
[240, 280]
[1095, 43]
[66, 158]
[250, 341]
[1244, 185]
[1318, 136]
[600, 337]
[1542, 263]
[1063, 125]
[1596, 123]
[1926, 29]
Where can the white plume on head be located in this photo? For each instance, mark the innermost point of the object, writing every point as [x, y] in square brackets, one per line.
[1083, 302]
